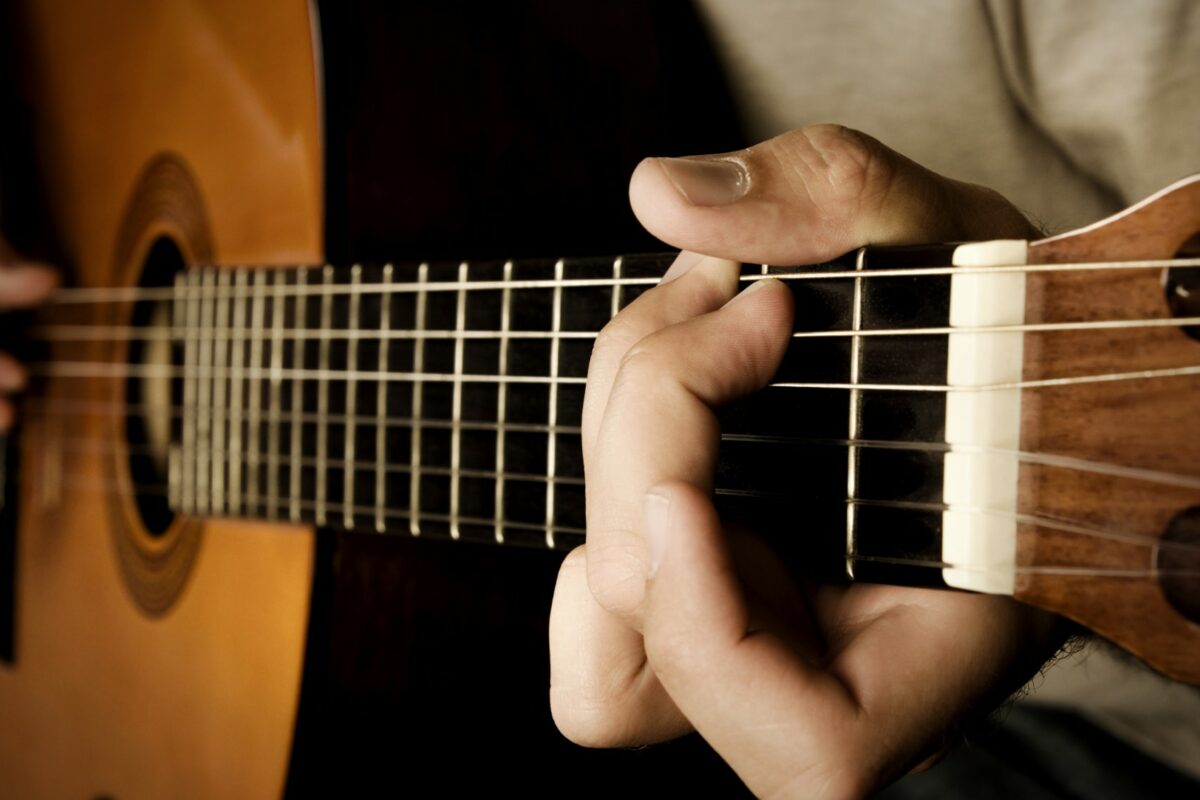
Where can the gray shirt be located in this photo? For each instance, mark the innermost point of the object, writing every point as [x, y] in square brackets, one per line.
[1073, 109]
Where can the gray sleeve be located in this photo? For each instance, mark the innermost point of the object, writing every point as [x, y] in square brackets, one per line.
[1115, 84]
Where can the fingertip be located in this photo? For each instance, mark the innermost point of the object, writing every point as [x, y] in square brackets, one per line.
[27, 283]
[13, 375]
[666, 213]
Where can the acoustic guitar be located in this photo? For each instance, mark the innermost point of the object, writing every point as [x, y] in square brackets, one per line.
[250, 349]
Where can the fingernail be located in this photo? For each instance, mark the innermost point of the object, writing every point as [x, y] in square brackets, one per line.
[682, 264]
[707, 182]
[657, 511]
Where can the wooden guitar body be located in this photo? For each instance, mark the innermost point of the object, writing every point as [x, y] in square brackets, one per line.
[219, 658]
[190, 689]
[161, 648]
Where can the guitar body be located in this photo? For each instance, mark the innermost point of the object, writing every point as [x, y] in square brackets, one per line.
[212, 658]
[193, 693]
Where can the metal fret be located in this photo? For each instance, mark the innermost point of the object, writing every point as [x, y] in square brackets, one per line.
[323, 396]
[460, 324]
[234, 496]
[855, 400]
[381, 389]
[191, 283]
[414, 521]
[300, 313]
[274, 408]
[501, 398]
[218, 403]
[204, 390]
[552, 411]
[254, 417]
[351, 403]
[618, 267]
[178, 314]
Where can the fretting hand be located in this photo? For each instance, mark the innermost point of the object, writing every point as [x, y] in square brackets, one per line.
[22, 284]
[665, 622]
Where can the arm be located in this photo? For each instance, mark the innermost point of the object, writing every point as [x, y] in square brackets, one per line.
[806, 691]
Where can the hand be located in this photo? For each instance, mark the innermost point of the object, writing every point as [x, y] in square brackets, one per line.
[807, 691]
[22, 284]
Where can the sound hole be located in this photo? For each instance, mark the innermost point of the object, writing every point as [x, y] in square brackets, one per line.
[1182, 285]
[153, 394]
[1179, 563]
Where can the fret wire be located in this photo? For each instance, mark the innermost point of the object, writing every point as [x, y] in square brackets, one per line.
[300, 314]
[275, 410]
[221, 375]
[381, 397]
[178, 319]
[460, 324]
[552, 410]
[254, 418]
[204, 392]
[502, 400]
[351, 400]
[235, 398]
[414, 486]
[855, 400]
[617, 267]
[112, 294]
[191, 281]
[323, 395]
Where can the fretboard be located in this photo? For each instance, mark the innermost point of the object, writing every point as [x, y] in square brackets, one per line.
[443, 401]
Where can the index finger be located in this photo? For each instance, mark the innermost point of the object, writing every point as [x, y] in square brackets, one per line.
[658, 425]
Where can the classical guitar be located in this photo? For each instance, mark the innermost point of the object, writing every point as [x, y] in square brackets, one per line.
[235, 364]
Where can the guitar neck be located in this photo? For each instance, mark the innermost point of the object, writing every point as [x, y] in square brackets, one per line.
[444, 401]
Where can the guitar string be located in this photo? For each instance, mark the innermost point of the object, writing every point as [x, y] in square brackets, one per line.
[62, 407]
[101, 368]
[115, 294]
[105, 447]
[111, 488]
[115, 333]
[1113, 376]
[489, 523]
[1026, 569]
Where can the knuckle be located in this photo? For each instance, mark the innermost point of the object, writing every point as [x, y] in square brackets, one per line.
[617, 577]
[643, 364]
[839, 167]
[674, 652]
[575, 562]
[620, 334]
[589, 719]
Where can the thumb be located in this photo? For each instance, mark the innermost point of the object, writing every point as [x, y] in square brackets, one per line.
[810, 195]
